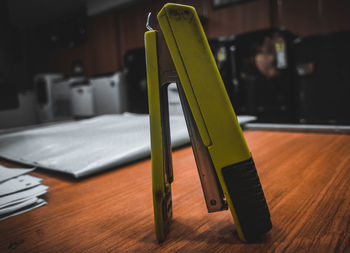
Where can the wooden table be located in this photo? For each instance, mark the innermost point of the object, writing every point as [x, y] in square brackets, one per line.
[306, 179]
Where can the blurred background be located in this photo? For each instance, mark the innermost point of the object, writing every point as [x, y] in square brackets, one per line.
[284, 61]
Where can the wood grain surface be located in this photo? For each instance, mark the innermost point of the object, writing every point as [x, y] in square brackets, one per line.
[305, 177]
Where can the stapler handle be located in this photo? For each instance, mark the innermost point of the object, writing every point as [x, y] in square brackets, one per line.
[216, 120]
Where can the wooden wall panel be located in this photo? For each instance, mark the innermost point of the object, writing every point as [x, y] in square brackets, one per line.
[313, 16]
[238, 18]
[132, 26]
[63, 58]
[112, 33]
[104, 53]
[132, 22]
[335, 15]
[299, 16]
[99, 53]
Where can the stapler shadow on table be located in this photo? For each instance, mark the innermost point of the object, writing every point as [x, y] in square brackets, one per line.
[179, 52]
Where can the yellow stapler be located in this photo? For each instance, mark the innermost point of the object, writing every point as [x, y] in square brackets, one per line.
[180, 53]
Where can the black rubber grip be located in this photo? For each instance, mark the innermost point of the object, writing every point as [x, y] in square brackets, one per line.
[248, 199]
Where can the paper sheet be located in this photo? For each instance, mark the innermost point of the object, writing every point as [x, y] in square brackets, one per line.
[7, 173]
[19, 192]
[21, 196]
[25, 208]
[18, 184]
[15, 207]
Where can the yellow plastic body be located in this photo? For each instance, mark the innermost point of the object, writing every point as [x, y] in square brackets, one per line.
[158, 183]
[204, 90]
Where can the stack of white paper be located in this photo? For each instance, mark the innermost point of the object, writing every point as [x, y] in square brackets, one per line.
[19, 192]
